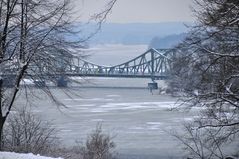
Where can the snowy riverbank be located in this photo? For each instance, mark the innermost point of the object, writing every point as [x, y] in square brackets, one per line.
[12, 155]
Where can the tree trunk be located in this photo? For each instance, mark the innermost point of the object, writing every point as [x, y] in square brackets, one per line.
[2, 121]
[2, 118]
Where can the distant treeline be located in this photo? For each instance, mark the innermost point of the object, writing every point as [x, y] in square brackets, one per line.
[137, 33]
[167, 42]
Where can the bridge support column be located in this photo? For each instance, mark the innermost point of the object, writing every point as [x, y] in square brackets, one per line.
[152, 86]
[62, 81]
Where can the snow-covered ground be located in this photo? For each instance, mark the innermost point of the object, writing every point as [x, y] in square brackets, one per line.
[12, 155]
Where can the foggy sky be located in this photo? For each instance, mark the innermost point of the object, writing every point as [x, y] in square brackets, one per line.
[138, 11]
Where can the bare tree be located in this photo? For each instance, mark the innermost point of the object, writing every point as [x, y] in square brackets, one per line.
[206, 70]
[34, 35]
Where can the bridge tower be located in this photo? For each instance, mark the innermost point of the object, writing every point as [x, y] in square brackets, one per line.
[152, 85]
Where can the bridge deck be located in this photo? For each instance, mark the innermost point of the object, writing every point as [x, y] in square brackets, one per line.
[119, 75]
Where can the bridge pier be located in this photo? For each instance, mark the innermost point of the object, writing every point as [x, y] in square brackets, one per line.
[62, 81]
[153, 86]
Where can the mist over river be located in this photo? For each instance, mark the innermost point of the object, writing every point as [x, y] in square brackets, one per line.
[138, 120]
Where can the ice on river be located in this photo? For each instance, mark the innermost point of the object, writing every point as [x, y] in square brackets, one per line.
[139, 120]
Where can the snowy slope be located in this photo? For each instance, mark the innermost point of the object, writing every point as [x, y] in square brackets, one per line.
[12, 155]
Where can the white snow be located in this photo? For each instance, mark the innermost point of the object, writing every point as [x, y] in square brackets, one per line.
[13, 155]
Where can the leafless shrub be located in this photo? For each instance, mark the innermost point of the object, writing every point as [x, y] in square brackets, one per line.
[25, 132]
[98, 146]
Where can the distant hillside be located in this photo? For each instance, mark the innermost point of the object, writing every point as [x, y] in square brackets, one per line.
[167, 42]
[135, 33]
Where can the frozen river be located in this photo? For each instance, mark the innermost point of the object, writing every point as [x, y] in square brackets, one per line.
[139, 121]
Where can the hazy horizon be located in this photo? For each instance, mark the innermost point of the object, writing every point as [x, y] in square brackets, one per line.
[138, 11]
[133, 33]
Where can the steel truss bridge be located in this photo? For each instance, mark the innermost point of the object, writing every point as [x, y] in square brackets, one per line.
[152, 64]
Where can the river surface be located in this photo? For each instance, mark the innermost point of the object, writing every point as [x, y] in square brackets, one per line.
[139, 121]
